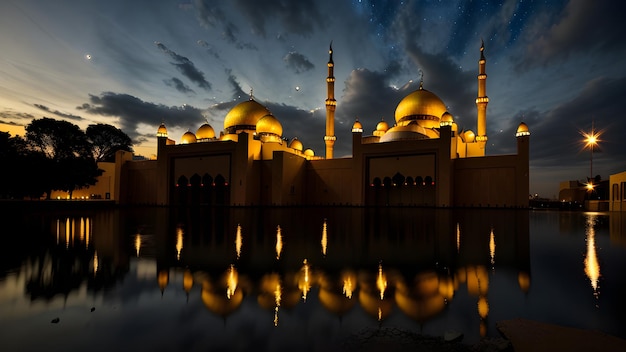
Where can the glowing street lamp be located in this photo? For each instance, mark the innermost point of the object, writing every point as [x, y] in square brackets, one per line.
[591, 140]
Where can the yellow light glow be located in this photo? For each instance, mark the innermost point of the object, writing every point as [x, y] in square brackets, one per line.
[232, 281]
[458, 237]
[381, 281]
[380, 314]
[348, 287]
[592, 266]
[304, 283]
[238, 241]
[179, 242]
[95, 263]
[187, 280]
[279, 242]
[277, 299]
[492, 248]
[137, 244]
[324, 238]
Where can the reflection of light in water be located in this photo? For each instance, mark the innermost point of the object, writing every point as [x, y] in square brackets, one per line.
[381, 281]
[492, 247]
[483, 307]
[179, 242]
[238, 241]
[279, 242]
[458, 237]
[58, 231]
[95, 263]
[81, 230]
[137, 243]
[304, 284]
[348, 286]
[277, 297]
[67, 233]
[324, 238]
[87, 232]
[592, 267]
[380, 314]
[231, 284]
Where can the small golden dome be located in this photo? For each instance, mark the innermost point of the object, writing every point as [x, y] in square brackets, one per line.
[469, 136]
[296, 144]
[422, 106]
[162, 131]
[244, 116]
[357, 127]
[382, 126]
[446, 119]
[309, 152]
[188, 137]
[269, 124]
[522, 130]
[205, 132]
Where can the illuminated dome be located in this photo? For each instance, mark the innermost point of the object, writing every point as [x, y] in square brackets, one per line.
[422, 106]
[309, 152]
[411, 131]
[446, 119]
[522, 130]
[357, 127]
[162, 131]
[382, 126]
[244, 116]
[296, 144]
[269, 124]
[187, 138]
[205, 132]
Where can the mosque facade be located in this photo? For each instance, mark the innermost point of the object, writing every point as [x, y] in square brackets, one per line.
[422, 159]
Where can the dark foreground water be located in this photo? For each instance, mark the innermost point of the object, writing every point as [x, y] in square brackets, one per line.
[280, 279]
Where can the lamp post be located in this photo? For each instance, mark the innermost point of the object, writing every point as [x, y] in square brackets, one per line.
[591, 140]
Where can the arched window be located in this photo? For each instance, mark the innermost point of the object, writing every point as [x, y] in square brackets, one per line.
[419, 181]
[387, 182]
[377, 182]
[195, 180]
[409, 181]
[207, 180]
[428, 181]
[182, 181]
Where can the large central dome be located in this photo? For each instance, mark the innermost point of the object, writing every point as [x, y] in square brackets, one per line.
[421, 106]
[244, 116]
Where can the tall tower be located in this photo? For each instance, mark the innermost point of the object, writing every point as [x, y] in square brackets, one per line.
[482, 100]
[331, 104]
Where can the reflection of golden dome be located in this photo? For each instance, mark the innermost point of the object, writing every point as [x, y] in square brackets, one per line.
[269, 124]
[422, 106]
[309, 152]
[296, 144]
[205, 132]
[162, 131]
[187, 138]
[244, 116]
[522, 130]
[335, 302]
[218, 303]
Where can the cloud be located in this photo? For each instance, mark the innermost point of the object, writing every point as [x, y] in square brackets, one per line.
[297, 17]
[581, 26]
[58, 113]
[211, 15]
[132, 111]
[14, 115]
[209, 48]
[298, 62]
[179, 85]
[186, 67]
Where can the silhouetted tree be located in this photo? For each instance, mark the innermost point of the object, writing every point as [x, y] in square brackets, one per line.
[19, 177]
[68, 163]
[106, 140]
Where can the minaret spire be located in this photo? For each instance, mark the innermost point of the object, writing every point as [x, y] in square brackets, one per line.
[482, 100]
[331, 104]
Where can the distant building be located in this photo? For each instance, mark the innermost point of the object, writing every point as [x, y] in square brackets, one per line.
[617, 192]
[421, 158]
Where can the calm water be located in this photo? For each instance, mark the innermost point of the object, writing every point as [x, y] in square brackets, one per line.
[304, 278]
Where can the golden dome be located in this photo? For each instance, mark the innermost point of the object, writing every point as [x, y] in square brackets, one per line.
[469, 136]
[522, 130]
[162, 131]
[446, 119]
[296, 144]
[270, 125]
[205, 132]
[188, 137]
[309, 152]
[357, 127]
[410, 131]
[382, 126]
[244, 116]
[422, 106]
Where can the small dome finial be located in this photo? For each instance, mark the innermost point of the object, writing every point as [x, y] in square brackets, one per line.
[421, 79]
[251, 95]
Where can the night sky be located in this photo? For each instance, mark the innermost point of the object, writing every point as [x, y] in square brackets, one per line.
[558, 66]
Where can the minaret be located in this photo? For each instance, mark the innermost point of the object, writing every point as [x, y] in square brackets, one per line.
[331, 104]
[482, 100]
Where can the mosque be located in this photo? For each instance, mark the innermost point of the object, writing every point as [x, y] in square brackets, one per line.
[423, 159]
